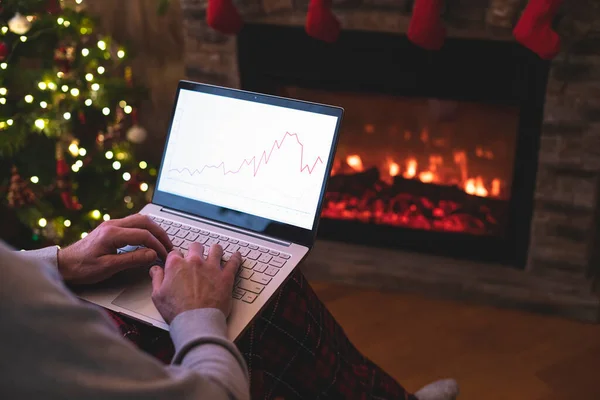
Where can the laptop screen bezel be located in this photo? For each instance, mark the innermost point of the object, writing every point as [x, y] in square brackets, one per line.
[263, 226]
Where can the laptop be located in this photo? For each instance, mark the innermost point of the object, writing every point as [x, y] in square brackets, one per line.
[247, 171]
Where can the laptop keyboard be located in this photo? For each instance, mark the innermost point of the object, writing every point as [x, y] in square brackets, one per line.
[259, 266]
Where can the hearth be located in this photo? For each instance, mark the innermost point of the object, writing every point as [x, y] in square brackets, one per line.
[438, 151]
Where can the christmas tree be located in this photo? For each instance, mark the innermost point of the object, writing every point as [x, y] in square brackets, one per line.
[68, 122]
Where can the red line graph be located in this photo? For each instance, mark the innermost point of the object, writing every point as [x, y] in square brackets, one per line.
[264, 159]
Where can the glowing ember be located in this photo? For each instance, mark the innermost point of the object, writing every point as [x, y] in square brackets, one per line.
[426, 177]
[496, 187]
[355, 163]
[394, 168]
[411, 168]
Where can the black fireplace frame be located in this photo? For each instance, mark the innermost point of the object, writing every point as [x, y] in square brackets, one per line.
[473, 70]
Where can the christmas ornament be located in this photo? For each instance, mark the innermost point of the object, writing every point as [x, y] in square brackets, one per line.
[321, 23]
[53, 7]
[222, 16]
[64, 57]
[3, 50]
[19, 24]
[426, 28]
[534, 29]
[63, 183]
[19, 193]
[136, 134]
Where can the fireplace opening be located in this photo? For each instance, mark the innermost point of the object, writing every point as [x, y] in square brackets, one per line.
[437, 151]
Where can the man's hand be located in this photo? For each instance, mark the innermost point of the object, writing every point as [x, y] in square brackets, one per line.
[94, 258]
[194, 282]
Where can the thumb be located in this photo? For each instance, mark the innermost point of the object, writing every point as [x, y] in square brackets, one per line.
[157, 274]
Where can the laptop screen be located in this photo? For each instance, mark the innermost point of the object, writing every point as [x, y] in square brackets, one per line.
[256, 158]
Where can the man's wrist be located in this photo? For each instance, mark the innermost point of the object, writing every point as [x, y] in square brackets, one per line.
[64, 262]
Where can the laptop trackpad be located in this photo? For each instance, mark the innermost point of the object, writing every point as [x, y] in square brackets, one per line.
[137, 298]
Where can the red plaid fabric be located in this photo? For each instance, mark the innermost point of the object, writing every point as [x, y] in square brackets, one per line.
[294, 349]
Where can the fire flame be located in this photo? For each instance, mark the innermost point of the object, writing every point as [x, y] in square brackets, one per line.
[394, 168]
[411, 168]
[426, 176]
[355, 162]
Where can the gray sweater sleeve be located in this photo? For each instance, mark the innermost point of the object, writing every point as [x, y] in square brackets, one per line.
[57, 347]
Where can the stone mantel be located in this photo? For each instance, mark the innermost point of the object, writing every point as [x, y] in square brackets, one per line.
[563, 253]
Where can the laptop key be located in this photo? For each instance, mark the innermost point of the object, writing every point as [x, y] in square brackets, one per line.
[171, 238]
[225, 238]
[271, 271]
[260, 267]
[213, 235]
[273, 253]
[263, 249]
[253, 247]
[249, 297]
[238, 293]
[191, 236]
[243, 244]
[285, 256]
[246, 273]
[176, 224]
[201, 239]
[244, 252]
[233, 248]
[164, 226]
[260, 278]
[253, 255]
[172, 231]
[234, 241]
[182, 234]
[265, 258]
[278, 262]
[226, 256]
[186, 244]
[224, 244]
[248, 264]
[204, 232]
[195, 230]
[211, 241]
[167, 222]
[185, 227]
[251, 286]
[177, 242]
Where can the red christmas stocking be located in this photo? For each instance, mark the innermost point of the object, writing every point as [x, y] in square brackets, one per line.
[222, 16]
[426, 28]
[320, 22]
[534, 29]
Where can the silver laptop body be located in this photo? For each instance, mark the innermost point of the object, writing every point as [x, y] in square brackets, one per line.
[242, 169]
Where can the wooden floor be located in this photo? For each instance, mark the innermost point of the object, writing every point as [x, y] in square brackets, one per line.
[493, 353]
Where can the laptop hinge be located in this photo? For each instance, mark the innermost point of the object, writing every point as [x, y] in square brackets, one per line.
[228, 227]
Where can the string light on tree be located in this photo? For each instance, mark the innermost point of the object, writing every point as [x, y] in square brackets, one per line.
[96, 214]
[19, 24]
[40, 123]
[64, 88]
[95, 87]
[9, 122]
[42, 85]
[42, 222]
[121, 53]
[89, 77]
[136, 134]
[2, 100]
[126, 176]
[102, 45]
[116, 165]
[52, 86]
[82, 152]
[67, 223]
[83, 235]
[23, 39]
[43, 104]
[143, 165]
[29, 99]
[67, 115]
[106, 111]
[3, 91]
[101, 70]
[74, 148]
[4, 65]
[74, 92]
[106, 217]
[128, 109]
[88, 102]
[85, 52]
[60, 20]
[109, 155]
[34, 179]
[4, 30]
[143, 186]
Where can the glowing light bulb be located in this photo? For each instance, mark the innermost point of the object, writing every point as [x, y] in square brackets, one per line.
[3, 100]
[106, 111]
[102, 45]
[42, 85]
[78, 1]
[106, 217]
[29, 98]
[60, 20]
[96, 214]
[42, 222]
[73, 149]
[79, 163]
[127, 199]
[85, 52]
[88, 102]
[74, 92]
[82, 152]
[60, 74]
[122, 104]
[64, 88]
[66, 23]
[75, 168]
[34, 179]
[143, 164]
[116, 165]
[120, 54]
[89, 77]
[67, 223]
[3, 65]
[67, 115]
[143, 186]
[83, 30]
[3, 91]
[43, 104]
[51, 85]
[109, 155]
[9, 122]
[83, 235]
[23, 39]
[128, 109]
[101, 70]
[4, 30]
[126, 176]
[95, 87]
[40, 123]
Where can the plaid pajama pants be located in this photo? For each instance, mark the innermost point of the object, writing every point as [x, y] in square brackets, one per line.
[294, 350]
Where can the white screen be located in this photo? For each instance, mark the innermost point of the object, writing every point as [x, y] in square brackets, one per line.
[260, 159]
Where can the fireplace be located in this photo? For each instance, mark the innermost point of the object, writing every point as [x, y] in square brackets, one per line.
[437, 152]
